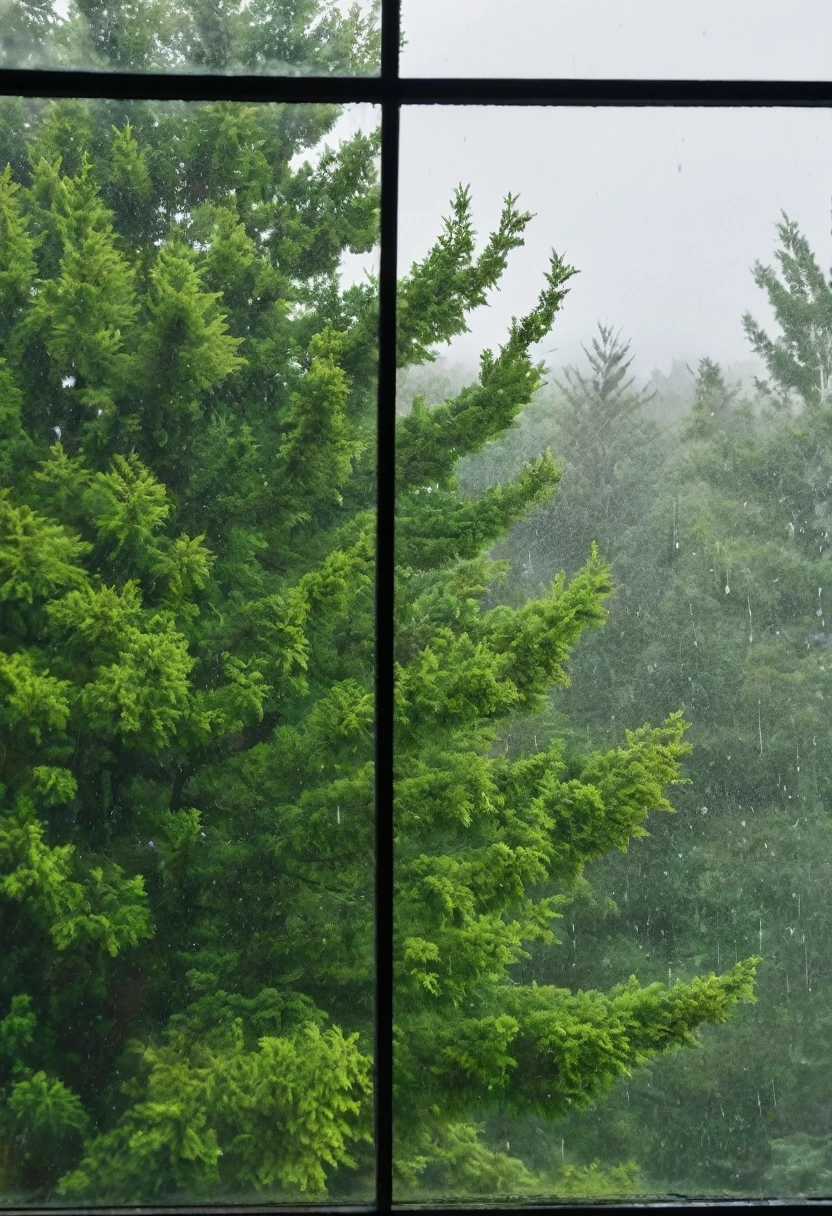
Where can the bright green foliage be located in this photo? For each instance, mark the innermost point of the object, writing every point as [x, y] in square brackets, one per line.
[439, 292]
[212, 1098]
[490, 843]
[187, 487]
[79, 315]
[185, 653]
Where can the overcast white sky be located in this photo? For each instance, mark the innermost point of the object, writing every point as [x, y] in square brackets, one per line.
[663, 211]
[754, 39]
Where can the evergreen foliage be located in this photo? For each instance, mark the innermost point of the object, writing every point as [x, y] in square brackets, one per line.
[187, 405]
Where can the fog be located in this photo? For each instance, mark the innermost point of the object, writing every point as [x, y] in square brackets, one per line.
[720, 39]
[664, 212]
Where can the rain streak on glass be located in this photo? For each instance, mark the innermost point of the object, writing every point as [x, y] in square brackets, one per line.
[187, 436]
[615, 520]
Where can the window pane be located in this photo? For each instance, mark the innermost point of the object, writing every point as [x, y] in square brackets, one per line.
[613, 581]
[275, 37]
[745, 39]
[187, 404]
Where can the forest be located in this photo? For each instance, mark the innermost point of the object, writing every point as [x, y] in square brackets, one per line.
[715, 520]
[610, 674]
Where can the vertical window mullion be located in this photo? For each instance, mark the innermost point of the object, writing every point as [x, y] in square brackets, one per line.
[385, 602]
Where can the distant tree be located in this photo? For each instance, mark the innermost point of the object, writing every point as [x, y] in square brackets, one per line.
[597, 422]
[799, 358]
[714, 403]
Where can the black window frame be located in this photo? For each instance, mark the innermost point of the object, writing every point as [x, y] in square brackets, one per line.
[390, 91]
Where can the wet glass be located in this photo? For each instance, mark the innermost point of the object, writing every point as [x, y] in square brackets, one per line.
[575, 39]
[187, 406]
[614, 636]
[269, 37]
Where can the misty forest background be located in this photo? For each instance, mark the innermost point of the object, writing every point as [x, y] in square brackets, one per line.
[708, 491]
[611, 621]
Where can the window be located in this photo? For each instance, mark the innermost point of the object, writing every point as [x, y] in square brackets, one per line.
[275, 531]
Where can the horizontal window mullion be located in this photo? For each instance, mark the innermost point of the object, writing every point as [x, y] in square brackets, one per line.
[413, 91]
[610, 92]
[186, 86]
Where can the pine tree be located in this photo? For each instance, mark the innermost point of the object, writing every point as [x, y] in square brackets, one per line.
[608, 444]
[799, 359]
